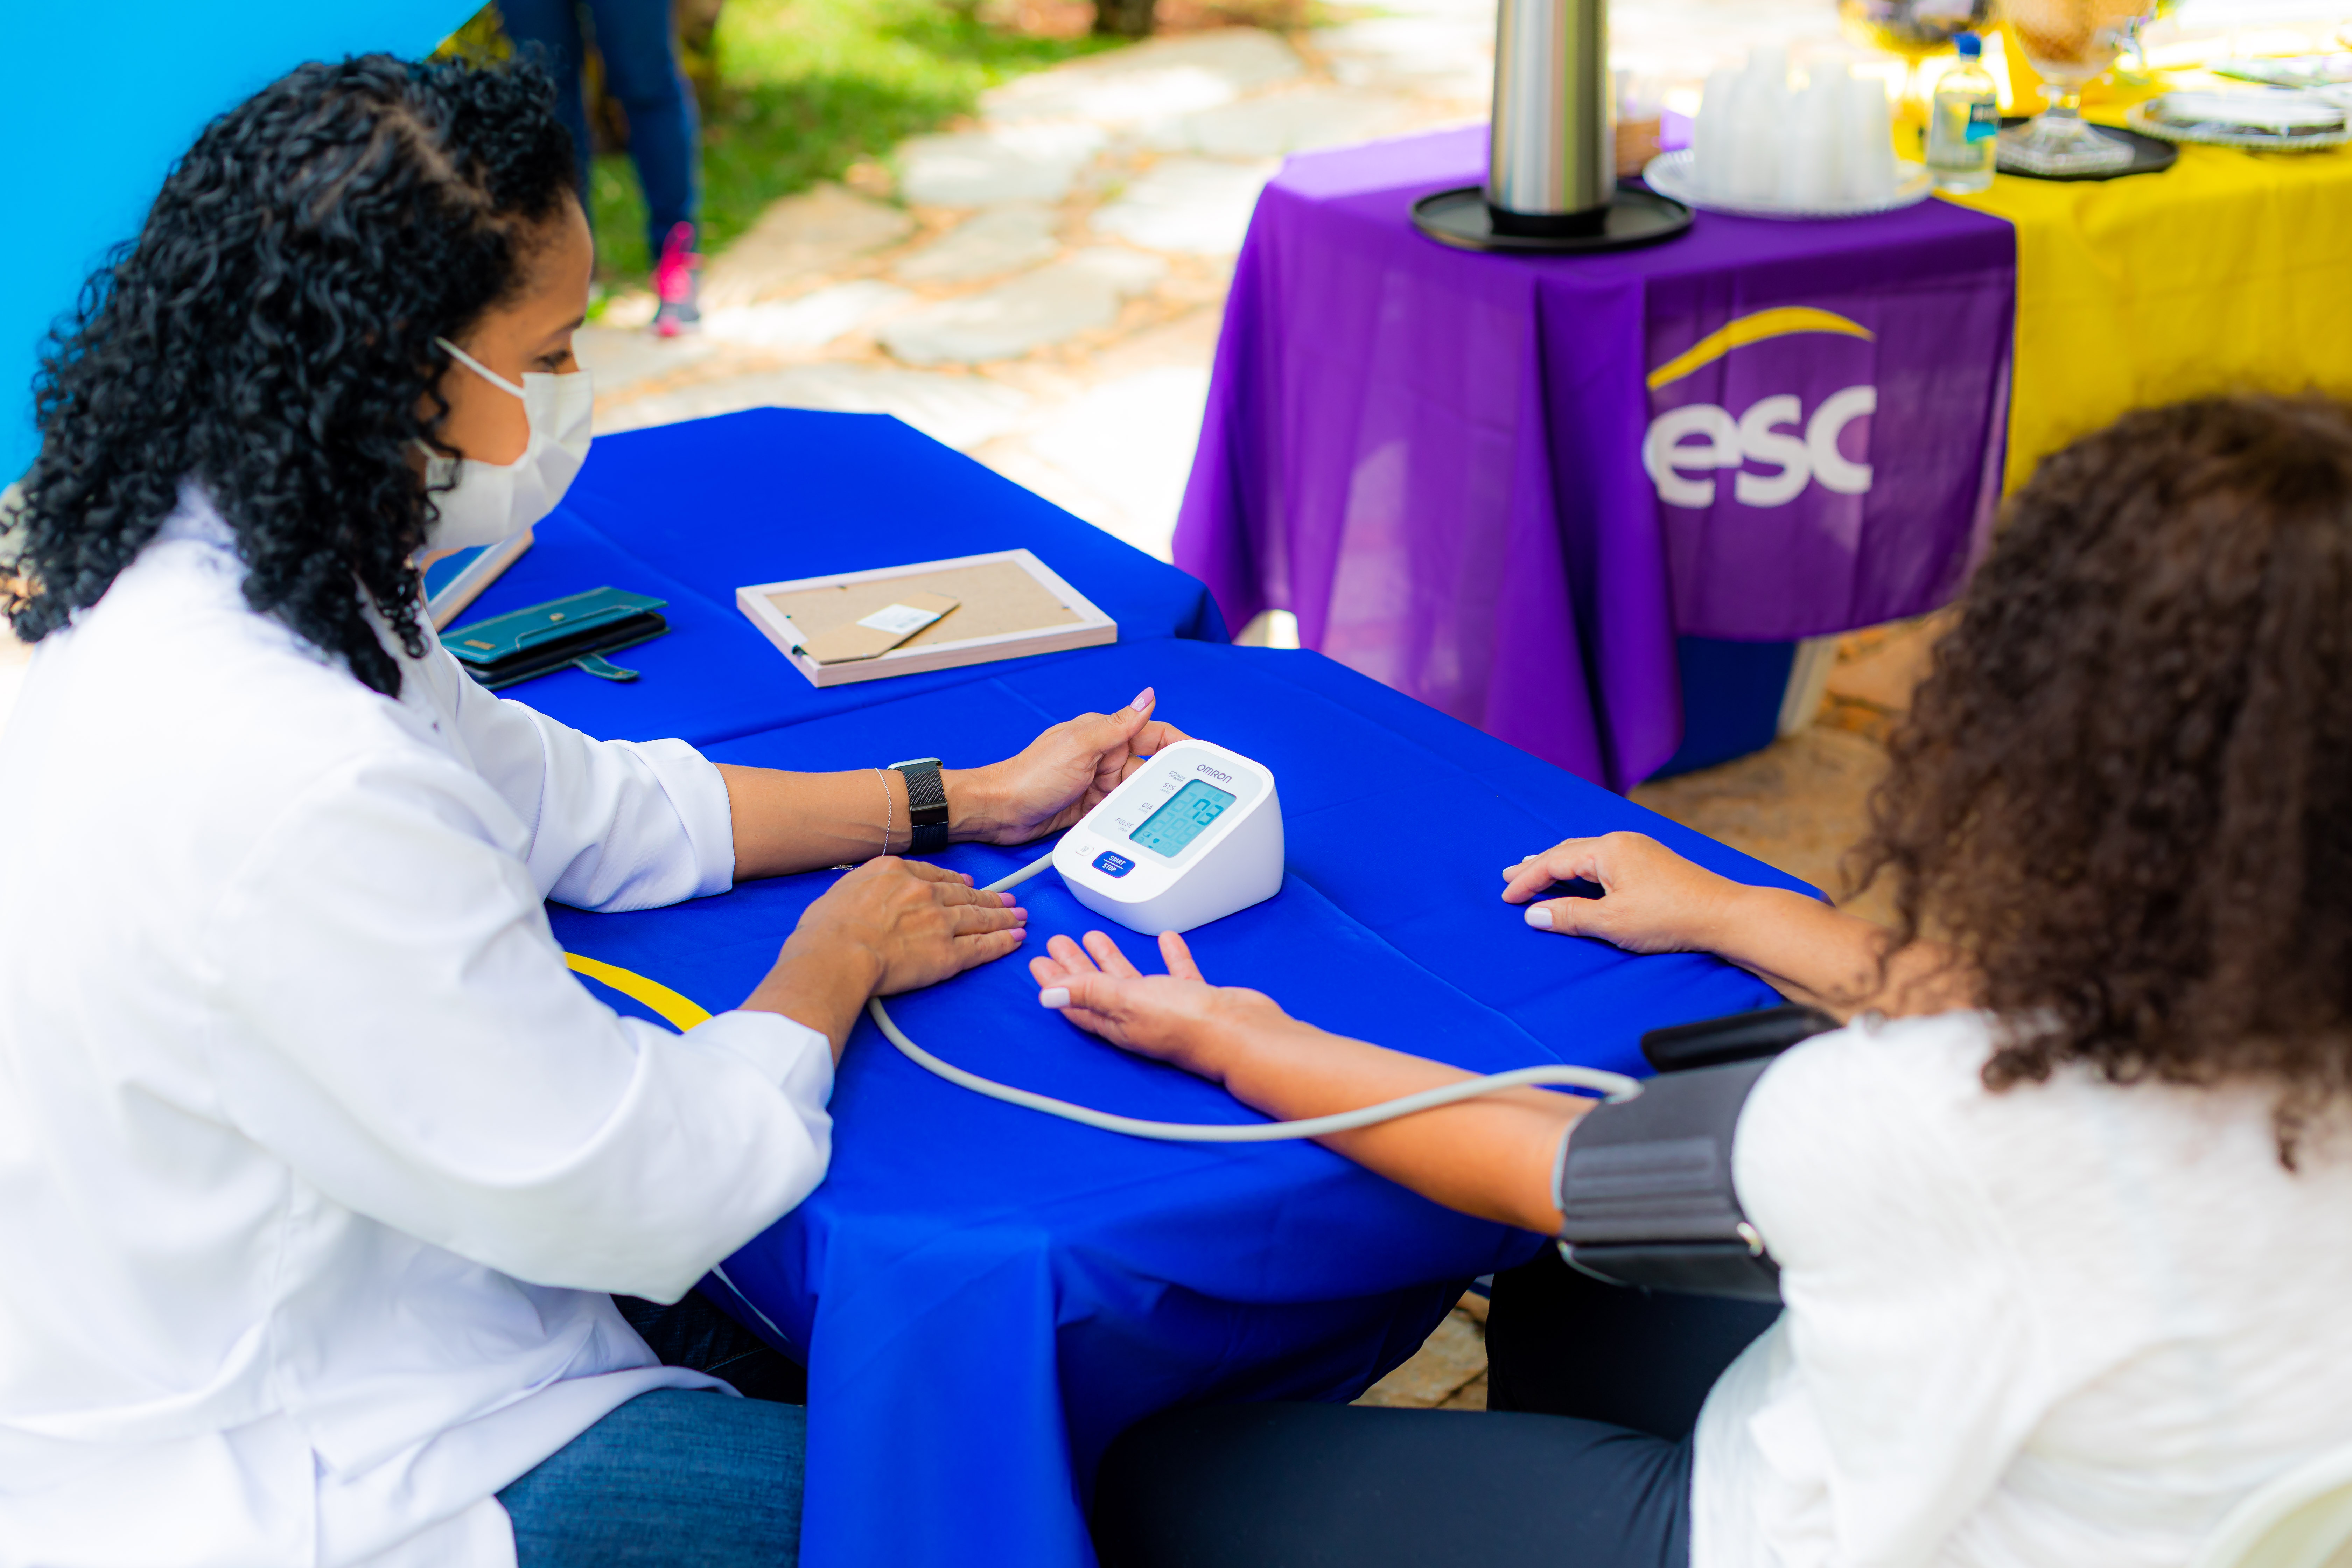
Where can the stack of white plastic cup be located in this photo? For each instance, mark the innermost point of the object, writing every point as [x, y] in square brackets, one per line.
[1758, 144]
[1870, 143]
[1812, 171]
[1712, 136]
[1759, 124]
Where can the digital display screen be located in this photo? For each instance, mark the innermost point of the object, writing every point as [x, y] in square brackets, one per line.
[1181, 818]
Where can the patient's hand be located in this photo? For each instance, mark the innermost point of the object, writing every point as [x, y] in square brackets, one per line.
[1490, 1157]
[1653, 899]
[1177, 1017]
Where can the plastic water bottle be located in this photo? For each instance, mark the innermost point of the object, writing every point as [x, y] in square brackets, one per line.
[1964, 123]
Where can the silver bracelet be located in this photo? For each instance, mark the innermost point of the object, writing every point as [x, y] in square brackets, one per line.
[889, 811]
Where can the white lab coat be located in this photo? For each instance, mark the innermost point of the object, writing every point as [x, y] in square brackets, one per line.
[315, 1163]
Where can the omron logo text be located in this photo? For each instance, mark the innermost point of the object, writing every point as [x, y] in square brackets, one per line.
[1221, 778]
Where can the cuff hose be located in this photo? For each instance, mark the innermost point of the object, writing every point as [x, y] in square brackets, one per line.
[1611, 1086]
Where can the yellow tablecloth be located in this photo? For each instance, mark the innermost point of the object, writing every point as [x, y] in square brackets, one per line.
[2230, 270]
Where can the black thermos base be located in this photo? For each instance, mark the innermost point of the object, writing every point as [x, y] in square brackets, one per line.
[1636, 215]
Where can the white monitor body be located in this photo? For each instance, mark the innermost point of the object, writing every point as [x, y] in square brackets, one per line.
[1156, 863]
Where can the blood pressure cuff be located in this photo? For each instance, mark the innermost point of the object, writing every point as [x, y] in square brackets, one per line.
[1645, 1190]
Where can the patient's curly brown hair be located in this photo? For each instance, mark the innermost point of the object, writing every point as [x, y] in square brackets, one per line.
[2126, 790]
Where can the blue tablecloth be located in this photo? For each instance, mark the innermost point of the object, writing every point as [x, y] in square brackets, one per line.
[985, 1297]
[692, 513]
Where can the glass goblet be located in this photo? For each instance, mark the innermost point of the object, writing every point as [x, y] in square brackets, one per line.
[2070, 45]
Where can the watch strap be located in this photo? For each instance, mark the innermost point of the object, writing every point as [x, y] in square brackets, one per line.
[926, 804]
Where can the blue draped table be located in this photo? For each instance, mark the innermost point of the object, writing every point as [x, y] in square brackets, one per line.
[985, 1297]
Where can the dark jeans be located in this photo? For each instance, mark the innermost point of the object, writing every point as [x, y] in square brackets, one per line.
[1582, 1460]
[686, 1478]
[641, 70]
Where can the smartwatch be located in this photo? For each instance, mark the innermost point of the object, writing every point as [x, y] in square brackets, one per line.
[926, 804]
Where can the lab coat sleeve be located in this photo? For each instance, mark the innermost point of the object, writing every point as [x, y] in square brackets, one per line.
[613, 824]
[1919, 1368]
[395, 1020]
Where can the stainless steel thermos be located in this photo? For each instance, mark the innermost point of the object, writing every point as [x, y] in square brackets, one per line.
[1552, 165]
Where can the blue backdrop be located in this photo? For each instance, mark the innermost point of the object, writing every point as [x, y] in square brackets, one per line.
[99, 99]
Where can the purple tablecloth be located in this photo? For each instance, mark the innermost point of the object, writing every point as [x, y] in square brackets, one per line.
[1504, 485]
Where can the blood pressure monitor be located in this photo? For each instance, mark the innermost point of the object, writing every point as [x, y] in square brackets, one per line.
[1193, 837]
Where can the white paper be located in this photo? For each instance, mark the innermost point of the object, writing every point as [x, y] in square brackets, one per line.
[899, 620]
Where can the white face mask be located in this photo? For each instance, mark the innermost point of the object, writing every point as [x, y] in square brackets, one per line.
[494, 501]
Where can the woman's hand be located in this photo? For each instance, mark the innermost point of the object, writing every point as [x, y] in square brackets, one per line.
[1178, 1017]
[787, 822]
[1057, 778]
[1652, 900]
[914, 924]
[890, 925]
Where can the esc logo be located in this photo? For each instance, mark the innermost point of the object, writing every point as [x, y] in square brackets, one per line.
[1778, 446]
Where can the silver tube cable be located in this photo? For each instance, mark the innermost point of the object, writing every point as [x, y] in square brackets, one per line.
[1612, 1085]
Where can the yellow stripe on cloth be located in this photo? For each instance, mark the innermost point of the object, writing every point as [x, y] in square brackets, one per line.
[1755, 329]
[678, 1011]
[2230, 271]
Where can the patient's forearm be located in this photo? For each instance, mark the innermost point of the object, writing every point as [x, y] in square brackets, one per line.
[1814, 954]
[1491, 1157]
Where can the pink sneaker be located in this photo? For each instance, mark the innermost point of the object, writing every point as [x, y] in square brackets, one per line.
[674, 284]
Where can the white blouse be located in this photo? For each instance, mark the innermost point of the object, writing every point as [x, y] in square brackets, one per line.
[316, 1164]
[2071, 1323]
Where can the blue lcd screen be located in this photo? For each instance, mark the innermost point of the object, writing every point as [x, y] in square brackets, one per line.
[1184, 816]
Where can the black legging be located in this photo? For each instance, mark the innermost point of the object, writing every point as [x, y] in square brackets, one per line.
[1583, 1460]
[697, 1334]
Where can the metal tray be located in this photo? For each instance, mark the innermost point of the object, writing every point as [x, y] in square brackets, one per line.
[1675, 174]
[2216, 133]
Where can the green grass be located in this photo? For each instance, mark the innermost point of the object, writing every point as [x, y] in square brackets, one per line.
[806, 88]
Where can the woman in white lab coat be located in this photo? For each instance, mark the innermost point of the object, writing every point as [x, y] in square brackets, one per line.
[316, 1165]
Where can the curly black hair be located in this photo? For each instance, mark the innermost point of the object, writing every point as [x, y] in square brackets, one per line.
[270, 335]
[2124, 791]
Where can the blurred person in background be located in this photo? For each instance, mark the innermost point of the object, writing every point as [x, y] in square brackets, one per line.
[638, 44]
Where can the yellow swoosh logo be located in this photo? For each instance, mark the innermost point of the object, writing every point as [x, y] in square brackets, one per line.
[681, 1013]
[1755, 329]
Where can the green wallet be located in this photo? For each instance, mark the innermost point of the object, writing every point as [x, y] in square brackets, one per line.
[575, 633]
